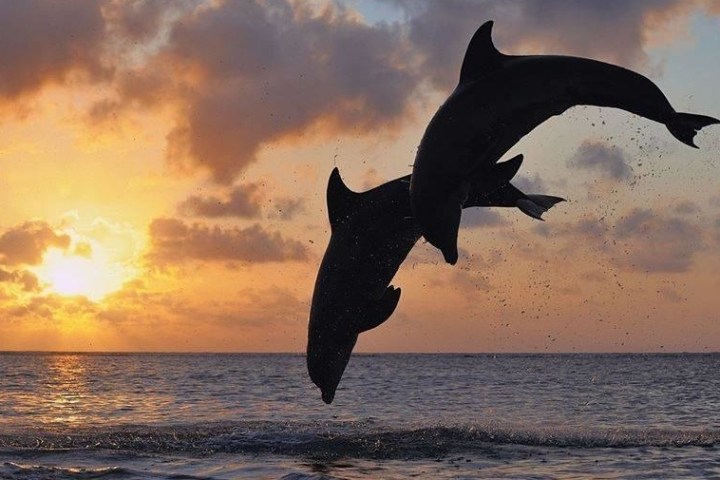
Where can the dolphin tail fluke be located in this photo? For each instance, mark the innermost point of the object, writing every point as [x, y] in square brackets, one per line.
[684, 126]
[535, 205]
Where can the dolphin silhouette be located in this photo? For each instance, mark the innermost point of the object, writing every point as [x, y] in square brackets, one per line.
[500, 99]
[371, 235]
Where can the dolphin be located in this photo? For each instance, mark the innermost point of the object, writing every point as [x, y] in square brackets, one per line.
[500, 99]
[371, 235]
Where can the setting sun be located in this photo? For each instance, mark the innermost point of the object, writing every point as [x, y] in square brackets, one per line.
[92, 275]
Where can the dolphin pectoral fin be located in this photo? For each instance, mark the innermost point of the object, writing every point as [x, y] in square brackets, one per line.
[535, 205]
[481, 56]
[385, 307]
[684, 126]
[447, 241]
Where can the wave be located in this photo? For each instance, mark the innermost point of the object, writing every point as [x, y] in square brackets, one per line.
[11, 470]
[344, 439]
[15, 470]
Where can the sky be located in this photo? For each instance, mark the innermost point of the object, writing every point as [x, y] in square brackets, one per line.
[163, 168]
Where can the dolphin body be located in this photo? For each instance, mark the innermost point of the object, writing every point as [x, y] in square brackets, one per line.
[500, 99]
[371, 235]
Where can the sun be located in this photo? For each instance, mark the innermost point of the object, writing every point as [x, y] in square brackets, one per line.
[76, 273]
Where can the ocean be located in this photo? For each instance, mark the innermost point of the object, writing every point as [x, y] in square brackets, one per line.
[437, 416]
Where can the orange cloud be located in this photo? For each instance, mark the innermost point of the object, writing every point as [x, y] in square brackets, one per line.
[245, 74]
[243, 201]
[26, 244]
[174, 241]
[27, 280]
[242, 75]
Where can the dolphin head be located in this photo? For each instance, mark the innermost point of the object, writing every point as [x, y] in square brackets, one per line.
[326, 362]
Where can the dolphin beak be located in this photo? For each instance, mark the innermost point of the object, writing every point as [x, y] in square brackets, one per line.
[328, 394]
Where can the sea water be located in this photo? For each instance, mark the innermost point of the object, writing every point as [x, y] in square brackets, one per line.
[152, 416]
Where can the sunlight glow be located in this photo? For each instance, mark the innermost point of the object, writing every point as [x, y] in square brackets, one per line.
[92, 276]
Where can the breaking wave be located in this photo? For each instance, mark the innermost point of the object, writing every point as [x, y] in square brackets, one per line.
[360, 440]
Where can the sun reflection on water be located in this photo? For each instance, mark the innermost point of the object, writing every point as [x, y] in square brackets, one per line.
[68, 389]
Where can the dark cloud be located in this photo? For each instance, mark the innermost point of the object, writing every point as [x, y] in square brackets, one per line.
[634, 223]
[481, 217]
[265, 71]
[686, 208]
[641, 240]
[27, 243]
[43, 41]
[526, 184]
[241, 75]
[588, 234]
[243, 201]
[613, 31]
[609, 161]
[141, 20]
[174, 241]
[656, 243]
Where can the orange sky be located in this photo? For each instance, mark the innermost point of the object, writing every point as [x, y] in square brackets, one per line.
[163, 170]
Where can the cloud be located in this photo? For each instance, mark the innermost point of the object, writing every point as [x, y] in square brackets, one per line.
[610, 162]
[141, 20]
[239, 76]
[286, 208]
[640, 241]
[44, 41]
[262, 72]
[611, 31]
[527, 184]
[174, 241]
[27, 280]
[686, 208]
[658, 244]
[50, 307]
[26, 244]
[243, 201]
[481, 217]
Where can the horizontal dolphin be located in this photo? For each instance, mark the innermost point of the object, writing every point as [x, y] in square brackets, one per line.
[500, 99]
[371, 235]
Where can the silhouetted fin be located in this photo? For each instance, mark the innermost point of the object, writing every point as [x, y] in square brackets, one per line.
[481, 57]
[545, 201]
[341, 201]
[684, 126]
[386, 306]
[448, 242]
[505, 171]
[535, 205]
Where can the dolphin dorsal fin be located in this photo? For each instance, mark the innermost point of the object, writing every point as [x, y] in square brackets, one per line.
[481, 57]
[341, 201]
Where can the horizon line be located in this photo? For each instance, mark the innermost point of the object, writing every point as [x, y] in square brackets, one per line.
[300, 353]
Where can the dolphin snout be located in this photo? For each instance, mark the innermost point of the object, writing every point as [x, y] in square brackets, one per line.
[328, 394]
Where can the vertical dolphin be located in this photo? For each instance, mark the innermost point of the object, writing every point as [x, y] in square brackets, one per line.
[371, 235]
[500, 99]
